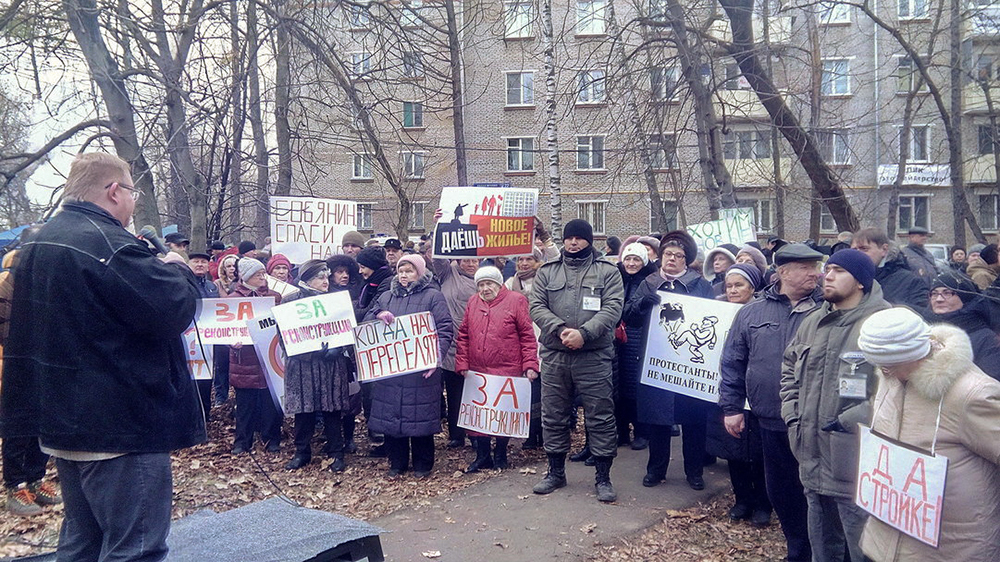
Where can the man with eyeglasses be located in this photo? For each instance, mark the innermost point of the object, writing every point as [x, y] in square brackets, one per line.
[95, 368]
[956, 300]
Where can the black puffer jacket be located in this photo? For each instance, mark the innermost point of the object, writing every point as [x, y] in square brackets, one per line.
[631, 352]
[973, 318]
[94, 361]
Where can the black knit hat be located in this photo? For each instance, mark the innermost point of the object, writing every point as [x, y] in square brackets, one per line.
[342, 260]
[965, 287]
[372, 257]
[989, 254]
[579, 228]
[245, 246]
[683, 240]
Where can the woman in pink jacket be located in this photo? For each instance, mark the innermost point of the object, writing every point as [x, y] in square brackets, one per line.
[495, 338]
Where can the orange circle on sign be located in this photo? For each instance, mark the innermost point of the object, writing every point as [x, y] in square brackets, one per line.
[274, 355]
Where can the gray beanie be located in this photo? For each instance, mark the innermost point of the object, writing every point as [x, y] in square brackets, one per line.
[489, 273]
[247, 267]
[894, 336]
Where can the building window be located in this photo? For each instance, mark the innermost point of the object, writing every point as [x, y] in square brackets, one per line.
[365, 211]
[987, 139]
[417, 211]
[361, 64]
[590, 86]
[362, 167]
[592, 212]
[357, 117]
[833, 145]
[743, 145]
[411, 13]
[834, 13]
[671, 209]
[517, 18]
[989, 211]
[657, 10]
[590, 153]
[908, 76]
[763, 215]
[918, 142]
[836, 77]
[413, 165]
[914, 211]
[357, 16]
[590, 17]
[663, 83]
[909, 9]
[521, 154]
[413, 64]
[826, 222]
[984, 69]
[413, 114]
[663, 151]
[520, 88]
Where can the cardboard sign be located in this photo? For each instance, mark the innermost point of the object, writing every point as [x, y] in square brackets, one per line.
[199, 355]
[684, 344]
[280, 287]
[309, 323]
[224, 321]
[305, 228]
[264, 333]
[408, 345]
[901, 486]
[485, 221]
[495, 405]
[735, 226]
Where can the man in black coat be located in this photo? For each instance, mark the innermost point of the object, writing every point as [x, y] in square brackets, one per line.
[899, 284]
[95, 368]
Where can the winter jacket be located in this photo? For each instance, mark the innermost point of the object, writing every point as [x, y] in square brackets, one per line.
[982, 275]
[973, 318]
[410, 405]
[900, 285]
[556, 301]
[456, 287]
[631, 352]
[245, 370]
[377, 284]
[496, 337]
[207, 288]
[655, 405]
[969, 402]
[754, 350]
[94, 360]
[810, 396]
[921, 262]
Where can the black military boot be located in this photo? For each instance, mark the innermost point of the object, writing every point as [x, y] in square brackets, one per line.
[483, 458]
[605, 491]
[500, 453]
[555, 478]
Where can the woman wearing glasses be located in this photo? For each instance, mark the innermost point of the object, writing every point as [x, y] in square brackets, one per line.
[955, 300]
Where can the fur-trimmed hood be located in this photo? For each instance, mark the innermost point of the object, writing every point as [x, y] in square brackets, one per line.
[707, 269]
[950, 357]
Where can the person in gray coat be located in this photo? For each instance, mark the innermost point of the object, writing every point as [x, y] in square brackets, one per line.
[577, 302]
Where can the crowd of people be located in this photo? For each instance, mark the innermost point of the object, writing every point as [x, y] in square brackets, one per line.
[826, 339]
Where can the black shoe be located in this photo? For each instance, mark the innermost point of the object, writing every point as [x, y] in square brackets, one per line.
[238, 450]
[273, 447]
[338, 464]
[650, 480]
[529, 445]
[581, 456]
[481, 463]
[378, 451]
[696, 482]
[740, 512]
[640, 443]
[675, 430]
[421, 474]
[350, 447]
[394, 472]
[456, 443]
[760, 518]
[591, 461]
[297, 462]
[555, 478]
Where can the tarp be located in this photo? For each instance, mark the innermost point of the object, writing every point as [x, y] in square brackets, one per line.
[11, 235]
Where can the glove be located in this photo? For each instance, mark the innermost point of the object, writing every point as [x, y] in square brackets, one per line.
[835, 426]
[386, 316]
[649, 301]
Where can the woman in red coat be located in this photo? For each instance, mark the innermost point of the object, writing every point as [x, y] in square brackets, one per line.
[495, 338]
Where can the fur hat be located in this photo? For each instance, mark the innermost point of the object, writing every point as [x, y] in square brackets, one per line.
[894, 336]
[489, 273]
[756, 255]
[708, 268]
[344, 261]
[682, 239]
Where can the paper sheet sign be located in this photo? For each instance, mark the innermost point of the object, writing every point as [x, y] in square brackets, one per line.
[305, 228]
[307, 324]
[408, 345]
[495, 405]
[901, 486]
[485, 221]
[264, 333]
[280, 287]
[199, 355]
[224, 321]
[735, 226]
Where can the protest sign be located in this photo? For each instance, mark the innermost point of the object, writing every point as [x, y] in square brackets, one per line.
[485, 221]
[901, 486]
[307, 324]
[305, 228]
[495, 405]
[735, 226]
[684, 344]
[280, 287]
[408, 345]
[223, 321]
[264, 333]
[199, 355]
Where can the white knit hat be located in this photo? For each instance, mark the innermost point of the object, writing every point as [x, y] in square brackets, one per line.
[894, 336]
[247, 267]
[489, 273]
[637, 249]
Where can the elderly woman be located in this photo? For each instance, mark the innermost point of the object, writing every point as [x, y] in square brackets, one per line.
[407, 409]
[956, 300]
[750, 255]
[524, 273]
[496, 337]
[317, 382]
[227, 275]
[717, 262]
[280, 268]
[634, 266]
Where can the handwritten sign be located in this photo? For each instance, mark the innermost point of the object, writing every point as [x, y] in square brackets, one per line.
[264, 333]
[916, 174]
[684, 344]
[408, 345]
[307, 324]
[495, 405]
[901, 486]
[224, 321]
[199, 355]
[305, 228]
[485, 221]
[280, 287]
[735, 226]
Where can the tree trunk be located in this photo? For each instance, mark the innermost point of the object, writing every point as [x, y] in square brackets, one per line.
[551, 125]
[282, 97]
[261, 224]
[457, 93]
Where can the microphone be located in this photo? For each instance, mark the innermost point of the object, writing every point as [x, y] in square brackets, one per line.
[149, 233]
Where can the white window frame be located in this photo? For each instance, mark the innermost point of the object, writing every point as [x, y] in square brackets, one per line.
[366, 216]
[916, 130]
[991, 138]
[912, 9]
[520, 154]
[834, 13]
[591, 17]
[417, 211]
[746, 144]
[525, 89]
[361, 64]
[909, 201]
[834, 145]
[415, 110]
[836, 81]
[409, 16]
[763, 213]
[414, 165]
[989, 222]
[591, 149]
[595, 212]
[361, 168]
[590, 87]
[663, 82]
[826, 222]
[670, 223]
[358, 16]
[518, 17]
[658, 151]
[905, 85]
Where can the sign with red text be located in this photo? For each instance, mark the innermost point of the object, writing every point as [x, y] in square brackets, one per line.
[495, 405]
[408, 345]
[306, 228]
[224, 321]
[199, 355]
[264, 333]
[901, 486]
[314, 323]
[485, 221]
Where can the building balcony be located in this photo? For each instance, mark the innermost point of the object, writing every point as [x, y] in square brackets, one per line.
[757, 172]
[740, 104]
[974, 99]
[779, 30]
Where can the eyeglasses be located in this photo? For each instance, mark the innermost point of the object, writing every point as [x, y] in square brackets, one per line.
[674, 255]
[945, 294]
[135, 193]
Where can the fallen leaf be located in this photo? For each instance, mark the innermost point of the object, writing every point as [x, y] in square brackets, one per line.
[528, 470]
[588, 528]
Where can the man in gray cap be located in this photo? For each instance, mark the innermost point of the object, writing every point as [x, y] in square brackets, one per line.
[826, 388]
[920, 260]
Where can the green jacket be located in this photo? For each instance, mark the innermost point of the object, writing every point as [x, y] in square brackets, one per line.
[812, 373]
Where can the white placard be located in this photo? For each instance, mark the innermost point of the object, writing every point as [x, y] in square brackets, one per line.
[305, 228]
[264, 333]
[408, 345]
[496, 405]
[199, 355]
[916, 174]
[314, 323]
[735, 226]
[280, 287]
[224, 321]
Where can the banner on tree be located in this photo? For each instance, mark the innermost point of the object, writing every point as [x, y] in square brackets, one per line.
[305, 228]
[684, 344]
[313, 323]
[735, 226]
[224, 321]
[408, 345]
[485, 221]
[495, 405]
[199, 355]
[264, 333]
[901, 486]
